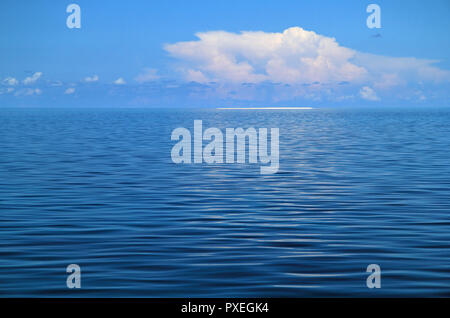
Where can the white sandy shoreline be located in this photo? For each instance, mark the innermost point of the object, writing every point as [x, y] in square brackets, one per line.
[264, 108]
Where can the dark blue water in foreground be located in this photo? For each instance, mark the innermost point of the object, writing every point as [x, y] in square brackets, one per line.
[98, 188]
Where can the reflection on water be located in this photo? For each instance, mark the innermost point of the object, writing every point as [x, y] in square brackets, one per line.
[98, 188]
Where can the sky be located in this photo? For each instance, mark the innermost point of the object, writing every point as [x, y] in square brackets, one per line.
[224, 53]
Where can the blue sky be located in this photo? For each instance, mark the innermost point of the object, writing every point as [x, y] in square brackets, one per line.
[135, 53]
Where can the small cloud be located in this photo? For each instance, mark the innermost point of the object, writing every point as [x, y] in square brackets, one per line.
[56, 83]
[345, 98]
[90, 79]
[119, 81]
[368, 93]
[32, 79]
[149, 74]
[6, 90]
[69, 91]
[10, 81]
[28, 92]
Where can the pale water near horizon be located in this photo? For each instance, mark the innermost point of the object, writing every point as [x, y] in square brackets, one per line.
[98, 188]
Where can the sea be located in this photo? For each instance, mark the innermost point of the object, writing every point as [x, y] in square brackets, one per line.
[97, 187]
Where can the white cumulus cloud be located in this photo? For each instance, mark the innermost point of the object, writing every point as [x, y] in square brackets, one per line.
[293, 56]
[119, 81]
[32, 79]
[368, 93]
[89, 79]
[69, 91]
[10, 81]
[311, 64]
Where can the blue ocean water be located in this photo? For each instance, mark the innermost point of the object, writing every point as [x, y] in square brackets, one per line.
[98, 188]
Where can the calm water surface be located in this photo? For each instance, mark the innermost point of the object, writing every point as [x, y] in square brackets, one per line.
[97, 187]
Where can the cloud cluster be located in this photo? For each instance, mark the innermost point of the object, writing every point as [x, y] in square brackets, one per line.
[295, 66]
[294, 56]
[28, 92]
[313, 64]
[19, 90]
